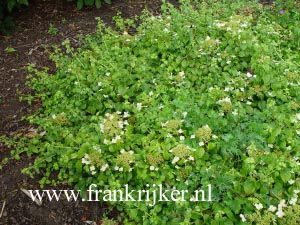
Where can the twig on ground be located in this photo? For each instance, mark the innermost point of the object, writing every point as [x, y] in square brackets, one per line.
[38, 202]
[2, 210]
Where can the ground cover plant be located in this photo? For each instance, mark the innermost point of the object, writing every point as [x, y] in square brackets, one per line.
[204, 95]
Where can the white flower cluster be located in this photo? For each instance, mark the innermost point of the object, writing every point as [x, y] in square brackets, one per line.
[86, 161]
[118, 125]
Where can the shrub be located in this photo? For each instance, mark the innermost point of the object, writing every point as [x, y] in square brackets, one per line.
[204, 96]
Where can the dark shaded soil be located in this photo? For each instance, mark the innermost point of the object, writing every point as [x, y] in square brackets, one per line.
[30, 40]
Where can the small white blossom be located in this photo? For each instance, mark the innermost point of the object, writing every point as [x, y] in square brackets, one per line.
[116, 168]
[191, 158]
[270, 145]
[103, 168]
[184, 114]
[280, 213]
[139, 106]
[272, 208]
[235, 112]
[180, 131]
[99, 84]
[193, 136]
[243, 218]
[293, 200]
[214, 136]
[291, 182]
[125, 115]
[121, 169]
[169, 135]
[249, 75]
[228, 62]
[181, 138]
[152, 168]
[175, 160]
[258, 206]
[201, 143]
[150, 93]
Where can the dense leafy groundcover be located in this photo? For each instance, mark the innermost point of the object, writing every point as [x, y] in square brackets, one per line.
[207, 94]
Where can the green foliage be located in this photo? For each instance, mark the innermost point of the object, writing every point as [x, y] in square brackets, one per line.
[52, 29]
[196, 97]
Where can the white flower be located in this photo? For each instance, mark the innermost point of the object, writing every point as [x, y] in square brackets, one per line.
[54, 116]
[125, 115]
[121, 169]
[258, 206]
[181, 73]
[152, 168]
[228, 62]
[107, 74]
[293, 200]
[122, 151]
[296, 191]
[214, 136]
[218, 25]
[166, 30]
[150, 93]
[175, 160]
[201, 143]
[244, 24]
[180, 131]
[116, 168]
[280, 213]
[93, 172]
[139, 106]
[270, 145]
[99, 84]
[131, 152]
[249, 75]
[103, 168]
[181, 138]
[169, 135]
[291, 182]
[243, 218]
[234, 112]
[84, 161]
[288, 148]
[184, 114]
[228, 29]
[191, 158]
[272, 208]
[281, 204]
[92, 168]
[105, 141]
[248, 103]
[193, 136]
[160, 107]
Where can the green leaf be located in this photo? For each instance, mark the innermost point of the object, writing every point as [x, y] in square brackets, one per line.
[79, 4]
[98, 3]
[89, 2]
[285, 175]
[249, 187]
[10, 49]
